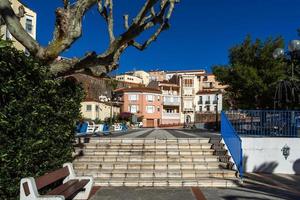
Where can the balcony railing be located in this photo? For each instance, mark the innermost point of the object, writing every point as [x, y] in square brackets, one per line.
[170, 115]
[169, 103]
[175, 93]
[188, 92]
[188, 109]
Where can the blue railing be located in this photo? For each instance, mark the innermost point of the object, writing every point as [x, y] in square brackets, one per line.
[265, 123]
[233, 142]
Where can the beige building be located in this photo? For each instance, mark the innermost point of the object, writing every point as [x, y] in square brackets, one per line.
[142, 75]
[29, 22]
[129, 79]
[91, 109]
[157, 75]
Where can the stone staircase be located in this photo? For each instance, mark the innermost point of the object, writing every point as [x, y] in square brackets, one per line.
[154, 162]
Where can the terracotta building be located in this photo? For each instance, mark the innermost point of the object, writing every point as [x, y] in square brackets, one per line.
[143, 102]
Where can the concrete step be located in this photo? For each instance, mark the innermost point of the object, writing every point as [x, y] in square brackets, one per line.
[217, 173]
[169, 152]
[140, 146]
[163, 182]
[149, 158]
[149, 141]
[147, 165]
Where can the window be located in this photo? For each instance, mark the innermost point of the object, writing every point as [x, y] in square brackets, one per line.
[133, 108]
[150, 109]
[207, 108]
[28, 25]
[133, 97]
[149, 98]
[97, 108]
[158, 108]
[187, 82]
[200, 108]
[158, 98]
[200, 100]
[88, 107]
[215, 108]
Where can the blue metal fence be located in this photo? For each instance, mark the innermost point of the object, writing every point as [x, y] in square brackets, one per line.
[233, 142]
[265, 123]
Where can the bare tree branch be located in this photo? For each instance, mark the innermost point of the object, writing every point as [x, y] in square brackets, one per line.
[162, 18]
[68, 29]
[66, 3]
[15, 28]
[126, 24]
[106, 11]
[162, 27]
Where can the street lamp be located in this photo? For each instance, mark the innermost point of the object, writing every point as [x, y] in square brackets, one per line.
[288, 90]
[217, 113]
[194, 108]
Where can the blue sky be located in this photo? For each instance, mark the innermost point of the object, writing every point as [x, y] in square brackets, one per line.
[201, 31]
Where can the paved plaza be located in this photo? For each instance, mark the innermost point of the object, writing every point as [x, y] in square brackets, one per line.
[255, 187]
[157, 133]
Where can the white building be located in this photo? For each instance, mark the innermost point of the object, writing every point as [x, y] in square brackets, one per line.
[199, 91]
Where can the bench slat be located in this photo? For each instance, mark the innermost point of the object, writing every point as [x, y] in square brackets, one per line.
[60, 189]
[74, 189]
[51, 177]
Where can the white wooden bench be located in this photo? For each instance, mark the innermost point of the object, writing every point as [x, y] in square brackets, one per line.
[72, 187]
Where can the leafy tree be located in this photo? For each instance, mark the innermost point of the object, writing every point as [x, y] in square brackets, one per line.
[37, 119]
[252, 74]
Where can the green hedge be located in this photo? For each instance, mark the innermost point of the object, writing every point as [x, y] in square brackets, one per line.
[37, 119]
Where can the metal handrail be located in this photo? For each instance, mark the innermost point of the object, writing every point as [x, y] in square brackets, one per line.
[233, 142]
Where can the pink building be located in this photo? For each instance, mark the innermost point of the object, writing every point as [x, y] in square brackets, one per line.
[143, 102]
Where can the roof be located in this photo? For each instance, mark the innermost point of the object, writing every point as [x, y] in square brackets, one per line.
[139, 89]
[186, 71]
[165, 82]
[207, 92]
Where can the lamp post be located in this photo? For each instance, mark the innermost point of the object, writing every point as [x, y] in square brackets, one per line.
[287, 90]
[217, 113]
[194, 108]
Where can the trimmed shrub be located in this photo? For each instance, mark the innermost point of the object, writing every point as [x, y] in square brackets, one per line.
[37, 119]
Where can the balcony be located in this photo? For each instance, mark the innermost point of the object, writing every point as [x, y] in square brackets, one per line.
[170, 116]
[200, 102]
[207, 102]
[170, 103]
[188, 109]
[188, 91]
[166, 92]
